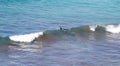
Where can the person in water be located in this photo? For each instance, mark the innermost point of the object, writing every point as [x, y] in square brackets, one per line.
[61, 28]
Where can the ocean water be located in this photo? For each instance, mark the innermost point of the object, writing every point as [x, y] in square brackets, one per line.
[20, 17]
[59, 33]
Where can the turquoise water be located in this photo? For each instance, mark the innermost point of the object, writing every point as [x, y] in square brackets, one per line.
[26, 16]
[78, 44]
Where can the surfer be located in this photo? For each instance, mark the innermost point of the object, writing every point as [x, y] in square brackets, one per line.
[61, 28]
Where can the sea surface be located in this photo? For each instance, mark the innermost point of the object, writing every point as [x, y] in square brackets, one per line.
[59, 32]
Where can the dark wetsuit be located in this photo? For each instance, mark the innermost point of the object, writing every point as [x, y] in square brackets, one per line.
[61, 28]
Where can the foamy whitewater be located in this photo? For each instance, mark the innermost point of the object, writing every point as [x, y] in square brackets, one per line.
[26, 37]
[109, 28]
[59, 32]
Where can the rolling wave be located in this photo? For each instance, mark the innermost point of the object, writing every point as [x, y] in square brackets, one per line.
[26, 37]
[86, 29]
[4, 40]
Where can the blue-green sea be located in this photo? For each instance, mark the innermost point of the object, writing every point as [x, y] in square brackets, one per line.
[26, 16]
[59, 32]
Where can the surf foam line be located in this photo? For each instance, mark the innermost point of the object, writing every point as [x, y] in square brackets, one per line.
[108, 28]
[26, 37]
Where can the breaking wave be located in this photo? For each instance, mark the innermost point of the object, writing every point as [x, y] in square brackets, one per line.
[26, 37]
[52, 34]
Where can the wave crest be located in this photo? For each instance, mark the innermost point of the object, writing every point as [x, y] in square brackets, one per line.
[26, 37]
[62, 32]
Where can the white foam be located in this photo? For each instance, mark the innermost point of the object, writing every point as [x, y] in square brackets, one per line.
[92, 28]
[26, 37]
[109, 28]
[113, 29]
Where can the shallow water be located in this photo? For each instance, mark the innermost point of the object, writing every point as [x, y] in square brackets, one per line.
[69, 51]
